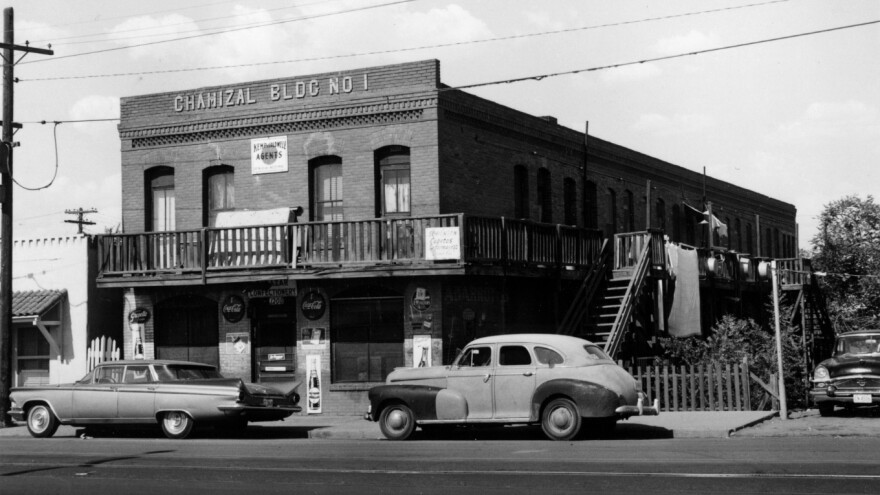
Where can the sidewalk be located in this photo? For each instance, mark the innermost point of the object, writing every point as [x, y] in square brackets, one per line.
[666, 425]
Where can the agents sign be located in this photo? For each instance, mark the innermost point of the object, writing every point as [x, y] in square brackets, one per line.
[442, 243]
[269, 155]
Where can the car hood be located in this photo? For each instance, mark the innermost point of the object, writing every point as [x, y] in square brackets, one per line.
[853, 365]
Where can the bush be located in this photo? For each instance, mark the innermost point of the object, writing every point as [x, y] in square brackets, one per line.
[733, 339]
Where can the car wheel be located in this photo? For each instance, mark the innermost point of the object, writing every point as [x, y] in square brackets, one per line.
[561, 420]
[41, 423]
[826, 409]
[177, 425]
[397, 422]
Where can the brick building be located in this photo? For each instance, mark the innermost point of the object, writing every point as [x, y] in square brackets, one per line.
[337, 225]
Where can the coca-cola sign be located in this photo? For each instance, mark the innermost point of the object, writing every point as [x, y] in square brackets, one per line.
[233, 308]
[313, 305]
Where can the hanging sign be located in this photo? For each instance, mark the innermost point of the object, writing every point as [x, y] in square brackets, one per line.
[313, 305]
[269, 155]
[442, 243]
[233, 308]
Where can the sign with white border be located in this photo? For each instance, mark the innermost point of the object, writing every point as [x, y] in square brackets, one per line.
[269, 155]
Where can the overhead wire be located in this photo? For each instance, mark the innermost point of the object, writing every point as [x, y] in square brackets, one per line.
[60, 41]
[225, 31]
[409, 49]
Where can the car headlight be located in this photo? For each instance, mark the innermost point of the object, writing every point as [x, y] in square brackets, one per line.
[821, 373]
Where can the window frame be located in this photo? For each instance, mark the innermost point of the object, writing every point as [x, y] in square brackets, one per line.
[397, 160]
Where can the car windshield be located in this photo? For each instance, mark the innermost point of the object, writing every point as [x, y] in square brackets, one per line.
[858, 344]
[593, 352]
[176, 372]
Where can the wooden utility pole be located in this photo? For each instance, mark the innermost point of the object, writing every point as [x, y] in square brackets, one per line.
[9, 49]
[80, 213]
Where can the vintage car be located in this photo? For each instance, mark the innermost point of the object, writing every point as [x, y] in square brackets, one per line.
[555, 380]
[851, 377]
[175, 394]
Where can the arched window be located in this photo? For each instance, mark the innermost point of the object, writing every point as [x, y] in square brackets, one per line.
[569, 198]
[630, 213]
[661, 214]
[739, 235]
[545, 196]
[520, 192]
[393, 174]
[218, 193]
[326, 188]
[750, 240]
[612, 213]
[160, 210]
[592, 213]
[676, 223]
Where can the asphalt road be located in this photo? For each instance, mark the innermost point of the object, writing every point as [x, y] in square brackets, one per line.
[145, 462]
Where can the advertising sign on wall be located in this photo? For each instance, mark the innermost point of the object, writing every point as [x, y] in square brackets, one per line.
[442, 243]
[421, 351]
[269, 155]
[313, 385]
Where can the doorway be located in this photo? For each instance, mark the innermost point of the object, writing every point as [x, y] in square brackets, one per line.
[274, 340]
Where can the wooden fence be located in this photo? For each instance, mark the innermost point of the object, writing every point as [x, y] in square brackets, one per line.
[697, 388]
[102, 349]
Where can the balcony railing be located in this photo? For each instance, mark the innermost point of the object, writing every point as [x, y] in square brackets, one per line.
[384, 241]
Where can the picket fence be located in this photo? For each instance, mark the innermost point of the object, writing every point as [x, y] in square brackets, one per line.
[102, 349]
[697, 388]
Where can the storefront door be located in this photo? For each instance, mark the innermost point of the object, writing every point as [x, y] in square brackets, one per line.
[274, 338]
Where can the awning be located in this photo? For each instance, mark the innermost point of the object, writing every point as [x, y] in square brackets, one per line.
[32, 307]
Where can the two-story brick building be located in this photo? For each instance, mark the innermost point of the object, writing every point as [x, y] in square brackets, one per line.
[346, 223]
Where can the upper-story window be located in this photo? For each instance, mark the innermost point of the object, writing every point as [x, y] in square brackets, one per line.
[569, 198]
[592, 213]
[520, 192]
[393, 169]
[326, 188]
[612, 212]
[630, 211]
[676, 223]
[661, 214]
[545, 196]
[160, 199]
[219, 192]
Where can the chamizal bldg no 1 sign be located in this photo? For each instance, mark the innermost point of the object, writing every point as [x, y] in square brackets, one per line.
[269, 155]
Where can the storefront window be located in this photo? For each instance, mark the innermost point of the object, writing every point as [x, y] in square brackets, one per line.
[32, 353]
[367, 338]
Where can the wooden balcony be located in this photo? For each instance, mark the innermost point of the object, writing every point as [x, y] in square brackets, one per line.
[432, 245]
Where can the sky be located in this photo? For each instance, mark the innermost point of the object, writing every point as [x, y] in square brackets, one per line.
[797, 119]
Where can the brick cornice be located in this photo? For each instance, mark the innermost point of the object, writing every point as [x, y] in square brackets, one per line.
[378, 113]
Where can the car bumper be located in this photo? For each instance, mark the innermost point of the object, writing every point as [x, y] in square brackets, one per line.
[843, 397]
[640, 409]
[16, 413]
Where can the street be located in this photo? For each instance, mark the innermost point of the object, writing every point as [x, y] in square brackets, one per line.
[281, 459]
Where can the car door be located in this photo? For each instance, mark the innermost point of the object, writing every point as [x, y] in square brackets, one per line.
[136, 394]
[471, 376]
[514, 382]
[96, 401]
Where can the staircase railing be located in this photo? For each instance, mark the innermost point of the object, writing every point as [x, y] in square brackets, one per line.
[628, 303]
[580, 306]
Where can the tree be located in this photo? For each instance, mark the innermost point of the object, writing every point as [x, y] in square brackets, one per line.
[847, 256]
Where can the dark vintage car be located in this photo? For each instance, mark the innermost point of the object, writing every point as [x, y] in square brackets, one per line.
[175, 394]
[851, 377]
[556, 381]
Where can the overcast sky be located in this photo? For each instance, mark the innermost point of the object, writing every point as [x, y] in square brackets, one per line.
[797, 119]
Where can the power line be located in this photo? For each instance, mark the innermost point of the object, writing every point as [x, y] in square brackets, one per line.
[273, 23]
[409, 49]
[58, 42]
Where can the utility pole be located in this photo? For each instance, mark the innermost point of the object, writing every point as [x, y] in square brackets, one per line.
[79, 217]
[9, 49]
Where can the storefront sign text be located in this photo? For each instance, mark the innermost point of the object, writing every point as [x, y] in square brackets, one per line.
[297, 89]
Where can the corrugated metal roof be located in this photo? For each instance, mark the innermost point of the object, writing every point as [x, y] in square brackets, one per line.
[35, 302]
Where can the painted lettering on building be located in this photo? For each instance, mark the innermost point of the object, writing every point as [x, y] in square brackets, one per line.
[278, 92]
